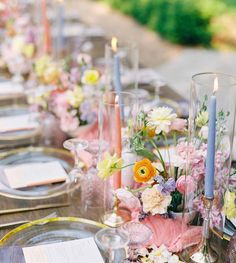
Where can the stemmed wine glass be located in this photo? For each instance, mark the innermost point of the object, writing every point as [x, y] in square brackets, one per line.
[139, 235]
[112, 240]
[75, 146]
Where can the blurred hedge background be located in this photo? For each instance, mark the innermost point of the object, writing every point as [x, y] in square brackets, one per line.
[187, 22]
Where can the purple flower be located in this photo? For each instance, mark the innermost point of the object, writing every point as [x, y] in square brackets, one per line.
[86, 113]
[165, 187]
[30, 36]
[74, 75]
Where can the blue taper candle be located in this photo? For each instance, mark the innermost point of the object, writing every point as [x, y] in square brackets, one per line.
[117, 75]
[116, 67]
[210, 161]
[117, 81]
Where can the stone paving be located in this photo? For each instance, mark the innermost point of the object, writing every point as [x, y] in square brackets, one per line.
[176, 64]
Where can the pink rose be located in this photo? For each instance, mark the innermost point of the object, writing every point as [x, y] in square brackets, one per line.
[185, 183]
[60, 104]
[128, 199]
[69, 123]
[178, 124]
[186, 151]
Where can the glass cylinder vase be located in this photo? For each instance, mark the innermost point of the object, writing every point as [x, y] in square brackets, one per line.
[117, 121]
[211, 117]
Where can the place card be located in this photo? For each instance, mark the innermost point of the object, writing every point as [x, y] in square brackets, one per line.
[82, 250]
[17, 123]
[7, 87]
[34, 174]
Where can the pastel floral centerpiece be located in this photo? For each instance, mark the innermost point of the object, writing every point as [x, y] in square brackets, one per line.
[19, 47]
[160, 176]
[69, 93]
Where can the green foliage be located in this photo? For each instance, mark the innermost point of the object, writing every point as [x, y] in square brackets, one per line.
[176, 201]
[180, 21]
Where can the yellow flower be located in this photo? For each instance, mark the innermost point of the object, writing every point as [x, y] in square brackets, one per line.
[202, 119]
[229, 205]
[29, 50]
[144, 171]
[18, 43]
[75, 97]
[90, 77]
[51, 74]
[109, 166]
[41, 65]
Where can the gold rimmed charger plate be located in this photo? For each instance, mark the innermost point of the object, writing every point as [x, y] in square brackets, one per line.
[38, 154]
[16, 138]
[45, 231]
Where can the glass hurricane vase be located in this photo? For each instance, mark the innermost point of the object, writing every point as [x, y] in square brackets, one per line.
[205, 88]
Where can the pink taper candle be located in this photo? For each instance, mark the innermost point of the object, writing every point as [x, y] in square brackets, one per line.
[118, 144]
[47, 36]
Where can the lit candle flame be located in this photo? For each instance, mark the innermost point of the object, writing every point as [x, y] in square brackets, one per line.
[114, 42]
[216, 85]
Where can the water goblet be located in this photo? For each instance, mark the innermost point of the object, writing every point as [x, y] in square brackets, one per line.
[111, 241]
[75, 146]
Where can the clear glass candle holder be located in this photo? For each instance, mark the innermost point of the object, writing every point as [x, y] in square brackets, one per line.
[121, 61]
[117, 122]
[205, 88]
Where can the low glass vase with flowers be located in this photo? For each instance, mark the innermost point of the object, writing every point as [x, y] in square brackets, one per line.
[157, 200]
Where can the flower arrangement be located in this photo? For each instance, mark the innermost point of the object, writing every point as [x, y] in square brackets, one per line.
[162, 188]
[19, 46]
[68, 94]
[165, 178]
[154, 254]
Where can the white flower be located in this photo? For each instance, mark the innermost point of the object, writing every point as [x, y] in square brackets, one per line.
[158, 255]
[173, 259]
[161, 119]
[203, 133]
[154, 201]
[75, 97]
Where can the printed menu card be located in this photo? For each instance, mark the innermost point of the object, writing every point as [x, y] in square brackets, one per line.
[75, 251]
[34, 174]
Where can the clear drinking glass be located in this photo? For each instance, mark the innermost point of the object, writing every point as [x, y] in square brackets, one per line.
[92, 187]
[112, 241]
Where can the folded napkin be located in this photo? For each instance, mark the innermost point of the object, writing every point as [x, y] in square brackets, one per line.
[17, 123]
[11, 255]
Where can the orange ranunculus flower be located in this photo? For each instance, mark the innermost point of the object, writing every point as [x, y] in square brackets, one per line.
[151, 132]
[144, 171]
